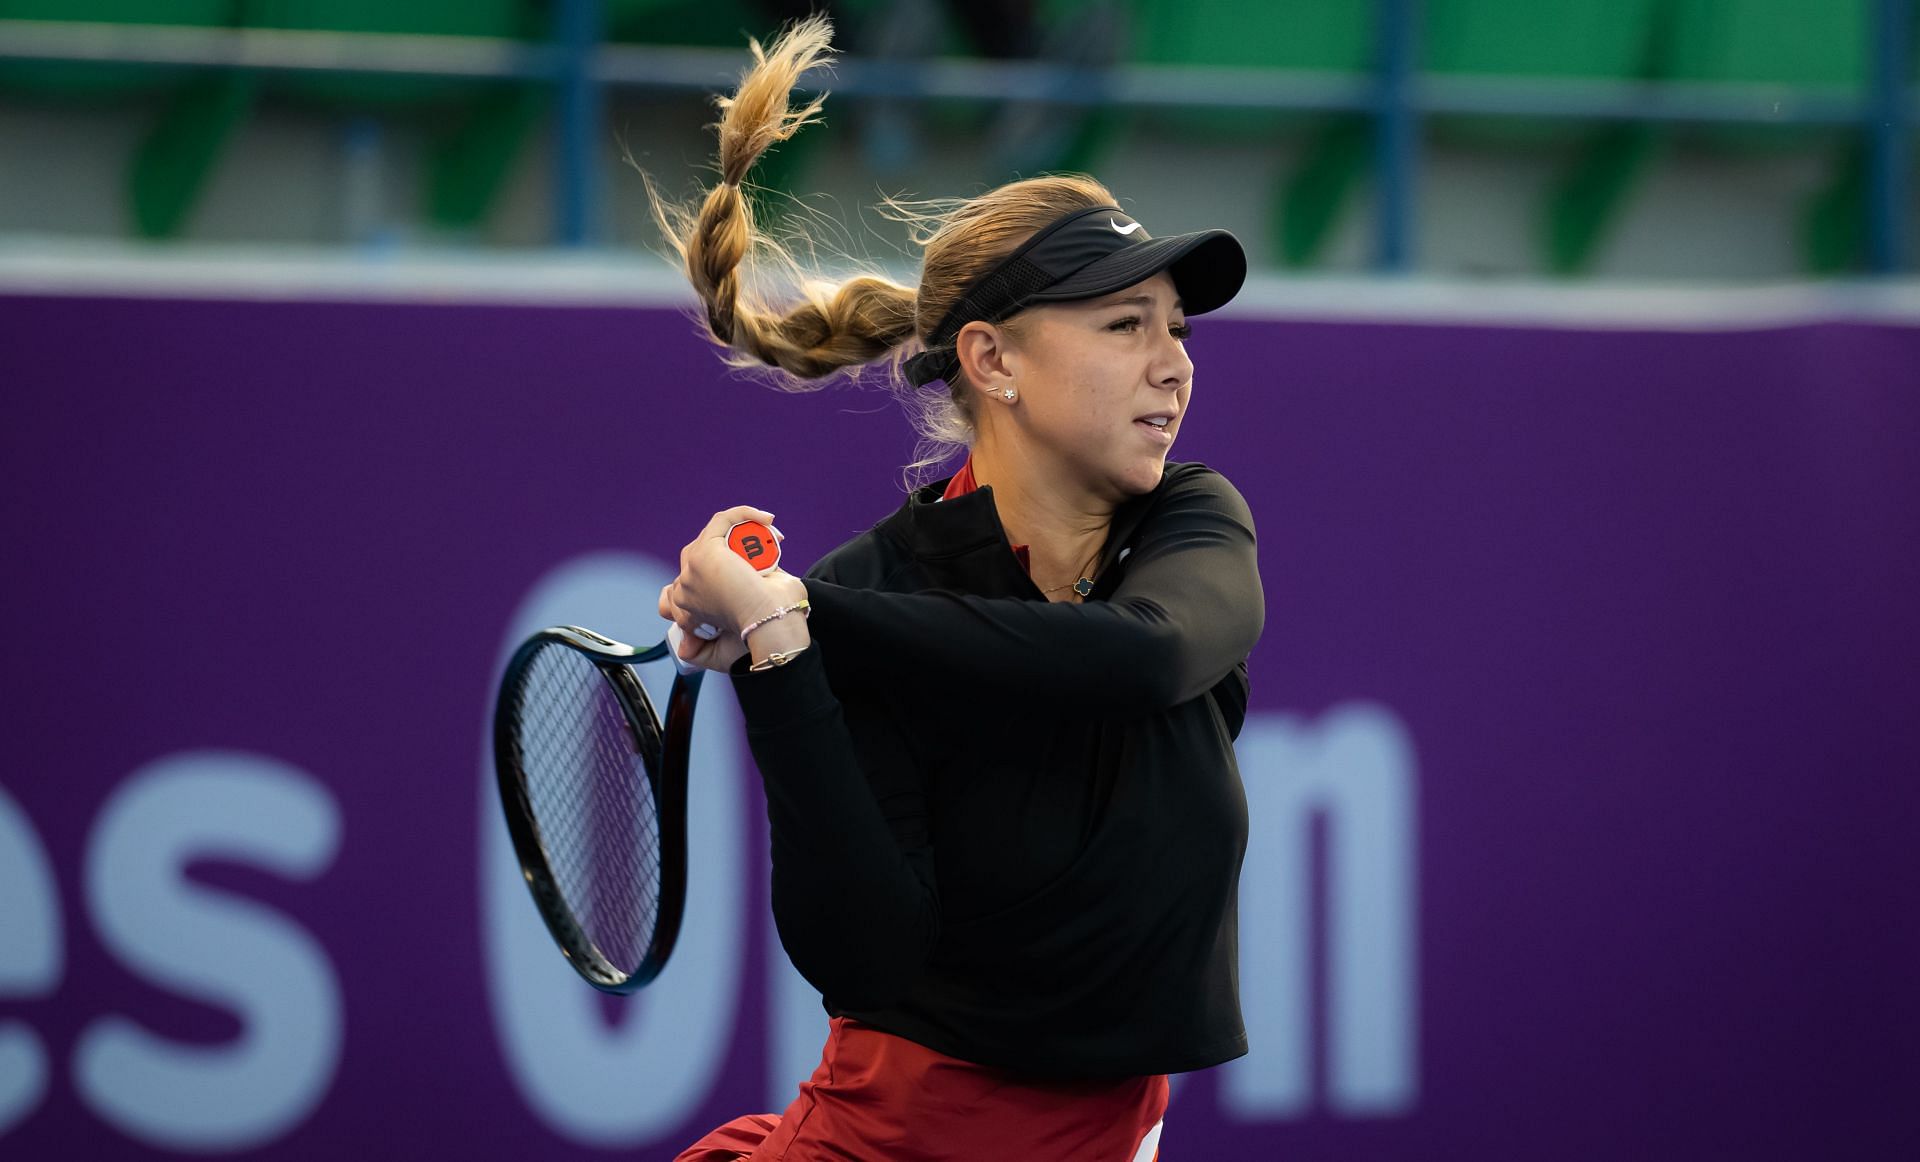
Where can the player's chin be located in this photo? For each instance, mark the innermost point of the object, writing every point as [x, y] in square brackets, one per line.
[1142, 475]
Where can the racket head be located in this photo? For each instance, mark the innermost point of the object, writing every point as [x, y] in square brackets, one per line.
[594, 792]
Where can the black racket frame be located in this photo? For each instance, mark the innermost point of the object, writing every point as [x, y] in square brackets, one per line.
[663, 750]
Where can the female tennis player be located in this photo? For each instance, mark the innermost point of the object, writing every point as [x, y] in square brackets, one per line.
[996, 729]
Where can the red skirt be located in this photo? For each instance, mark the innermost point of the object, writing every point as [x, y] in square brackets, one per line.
[878, 1096]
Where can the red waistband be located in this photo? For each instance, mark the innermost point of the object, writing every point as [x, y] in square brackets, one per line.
[876, 1095]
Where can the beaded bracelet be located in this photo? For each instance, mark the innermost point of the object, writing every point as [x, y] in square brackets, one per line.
[803, 607]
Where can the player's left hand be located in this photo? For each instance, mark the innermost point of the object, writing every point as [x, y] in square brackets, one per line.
[718, 592]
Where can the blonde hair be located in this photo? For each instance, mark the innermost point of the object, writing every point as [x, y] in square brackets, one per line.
[864, 319]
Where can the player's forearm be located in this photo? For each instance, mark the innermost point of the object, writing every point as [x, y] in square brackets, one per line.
[856, 913]
[1136, 652]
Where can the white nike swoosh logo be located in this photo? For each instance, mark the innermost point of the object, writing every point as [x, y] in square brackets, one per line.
[1118, 228]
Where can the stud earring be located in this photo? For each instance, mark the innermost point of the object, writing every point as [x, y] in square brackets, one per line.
[1008, 393]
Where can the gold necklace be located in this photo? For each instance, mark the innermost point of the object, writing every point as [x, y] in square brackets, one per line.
[1084, 585]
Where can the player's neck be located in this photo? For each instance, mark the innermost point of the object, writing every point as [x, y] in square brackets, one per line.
[1062, 524]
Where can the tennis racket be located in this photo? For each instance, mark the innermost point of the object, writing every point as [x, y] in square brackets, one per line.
[594, 787]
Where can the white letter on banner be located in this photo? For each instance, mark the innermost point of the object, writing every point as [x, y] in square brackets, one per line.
[31, 957]
[1355, 767]
[214, 947]
[640, 1081]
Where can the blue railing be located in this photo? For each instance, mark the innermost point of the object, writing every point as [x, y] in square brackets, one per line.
[1398, 96]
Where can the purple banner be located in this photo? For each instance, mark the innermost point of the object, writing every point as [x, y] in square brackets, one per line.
[1583, 759]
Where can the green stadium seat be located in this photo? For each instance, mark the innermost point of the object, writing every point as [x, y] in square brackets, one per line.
[1781, 42]
[478, 128]
[700, 23]
[199, 109]
[85, 81]
[1594, 40]
[488, 18]
[1329, 36]
[1811, 43]
[1569, 39]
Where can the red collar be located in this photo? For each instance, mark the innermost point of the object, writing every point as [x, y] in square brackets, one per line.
[962, 482]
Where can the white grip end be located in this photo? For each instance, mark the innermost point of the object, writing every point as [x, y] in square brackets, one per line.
[674, 638]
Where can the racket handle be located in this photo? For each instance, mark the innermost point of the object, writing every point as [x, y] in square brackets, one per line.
[755, 543]
[674, 638]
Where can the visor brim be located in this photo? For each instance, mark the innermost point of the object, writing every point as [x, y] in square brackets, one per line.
[1208, 269]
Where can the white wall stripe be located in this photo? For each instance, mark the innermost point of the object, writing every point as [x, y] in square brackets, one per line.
[636, 278]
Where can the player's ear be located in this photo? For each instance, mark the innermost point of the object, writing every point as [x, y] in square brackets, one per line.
[982, 350]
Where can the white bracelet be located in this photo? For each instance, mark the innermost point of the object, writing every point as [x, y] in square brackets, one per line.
[803, 607]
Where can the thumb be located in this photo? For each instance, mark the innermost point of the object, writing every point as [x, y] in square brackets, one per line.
[677, 646]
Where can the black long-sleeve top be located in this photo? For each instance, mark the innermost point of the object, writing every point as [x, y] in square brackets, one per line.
[1008, 829]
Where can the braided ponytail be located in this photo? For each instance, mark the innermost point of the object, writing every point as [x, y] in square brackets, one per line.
[832, 327]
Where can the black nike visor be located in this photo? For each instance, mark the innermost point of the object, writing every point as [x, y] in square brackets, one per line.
[1084, 255]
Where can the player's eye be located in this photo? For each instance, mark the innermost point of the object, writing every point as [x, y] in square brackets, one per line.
[1127, 326]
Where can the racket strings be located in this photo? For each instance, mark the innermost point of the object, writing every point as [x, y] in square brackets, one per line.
[592, 799]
